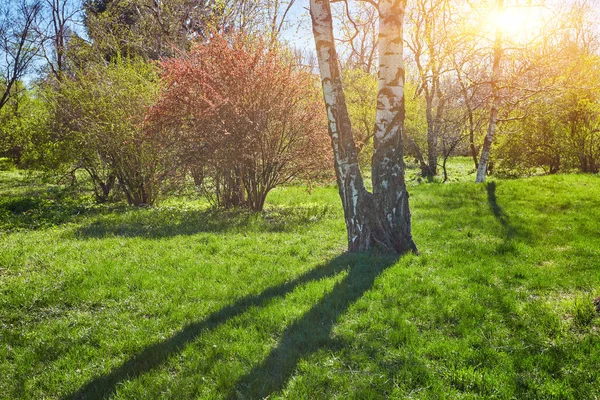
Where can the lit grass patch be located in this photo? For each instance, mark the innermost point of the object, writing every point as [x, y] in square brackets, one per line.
[183, 301]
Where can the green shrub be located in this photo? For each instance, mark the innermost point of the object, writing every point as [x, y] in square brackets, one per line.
[6, 164]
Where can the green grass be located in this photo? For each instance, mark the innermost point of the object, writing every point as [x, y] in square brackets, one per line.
[181, 301]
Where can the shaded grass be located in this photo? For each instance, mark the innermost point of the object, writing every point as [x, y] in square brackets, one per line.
[171, 221]
[183, 302]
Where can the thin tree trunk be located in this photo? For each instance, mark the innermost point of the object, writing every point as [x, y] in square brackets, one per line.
[418, 154]
[439, 117]
[444, 168]
[381, 219]
[431, 141]
[465, 94]
[433, 128]
[472, 147]
[489, 137]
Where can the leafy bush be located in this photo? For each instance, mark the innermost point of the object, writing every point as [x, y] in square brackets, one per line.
[100, 116]
[246, 118]
[6, 164]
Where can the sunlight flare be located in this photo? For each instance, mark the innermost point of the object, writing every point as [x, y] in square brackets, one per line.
[517, 23]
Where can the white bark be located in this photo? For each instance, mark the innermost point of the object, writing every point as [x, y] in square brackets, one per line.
[380, 219]
[349, 178]
[390, 99]
[389, 188]
[493, 122]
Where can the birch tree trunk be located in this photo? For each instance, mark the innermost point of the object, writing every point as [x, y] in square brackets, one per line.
[388, 167]
[489, 137]
[382, 218]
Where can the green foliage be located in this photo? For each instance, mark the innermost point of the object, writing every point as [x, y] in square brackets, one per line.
[141, 303]
[360, 89]
[6, 164]
[22, 121]
[560, 130]
[581, 116]
[558, 134]
[99, 121]
[415, 123]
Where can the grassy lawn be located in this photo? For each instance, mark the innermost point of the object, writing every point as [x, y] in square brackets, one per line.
[181, 301]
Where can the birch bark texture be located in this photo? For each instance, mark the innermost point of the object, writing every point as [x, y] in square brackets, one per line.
[380, 219]
[493, 122]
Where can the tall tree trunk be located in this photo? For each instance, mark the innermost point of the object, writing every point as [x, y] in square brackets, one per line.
[388, 166]
[489, 137]
[472, 147]
[381, 219]
[434, 123]
[418, 154]
[348, 175]
[431, 141]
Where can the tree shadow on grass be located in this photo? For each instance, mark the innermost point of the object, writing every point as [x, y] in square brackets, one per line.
[498, 212]
[510, 232]
[311, 332]
[301, 338]
[170, 222]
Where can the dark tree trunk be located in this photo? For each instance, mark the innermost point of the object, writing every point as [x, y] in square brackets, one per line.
[431, 146]
[417, 152]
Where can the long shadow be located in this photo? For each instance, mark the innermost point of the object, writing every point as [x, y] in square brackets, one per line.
[169, 222]
[311, 332]
[360, 277]
[499, 213]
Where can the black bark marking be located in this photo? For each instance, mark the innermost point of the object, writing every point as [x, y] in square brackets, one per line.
[386, 92]
[399, 78]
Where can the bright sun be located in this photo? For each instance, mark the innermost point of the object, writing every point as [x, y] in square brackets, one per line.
[516, 23]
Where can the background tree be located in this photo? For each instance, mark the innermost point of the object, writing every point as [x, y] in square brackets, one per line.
[482, 166]
[22, 121]
[555, 127]
[155, 29]
[428, 42]
[17, 45]
[148, 28]
[357, 35]
[17, 55]
[55, 29]
[473, 95]
[521, 67]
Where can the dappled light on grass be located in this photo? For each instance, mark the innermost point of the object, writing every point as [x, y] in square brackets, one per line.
[28, 208]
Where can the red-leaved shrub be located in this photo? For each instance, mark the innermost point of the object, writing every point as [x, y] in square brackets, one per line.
[248, 119]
